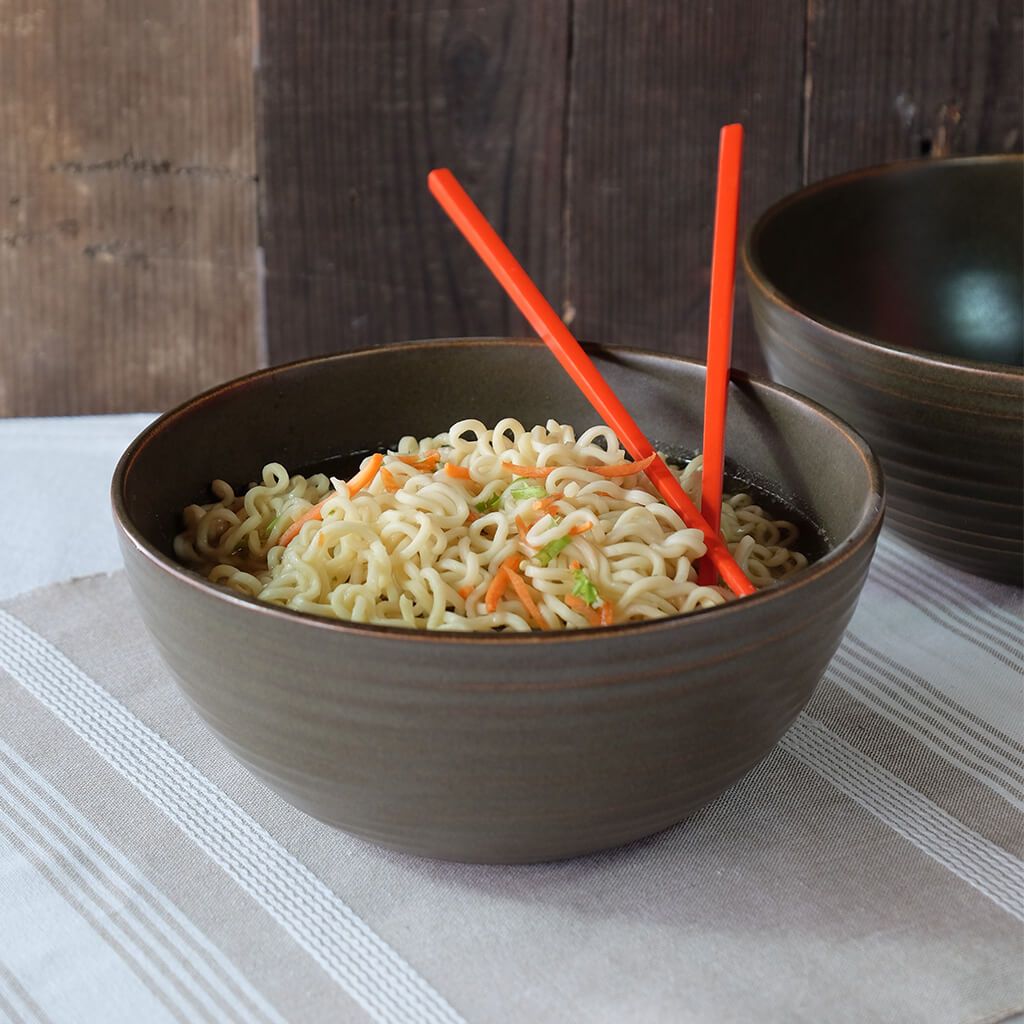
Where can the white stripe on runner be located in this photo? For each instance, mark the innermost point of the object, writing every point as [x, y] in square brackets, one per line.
[973, 858]
[1008, 747]
[856, 687]
[89, 895]
[949, 579]
[39, 924]
[949, 739]
[131, 892]
[954, 610]
[895, 584]
[108, 910]
[973, 606]
[351, 953]
[104, 923]
[16, 1000]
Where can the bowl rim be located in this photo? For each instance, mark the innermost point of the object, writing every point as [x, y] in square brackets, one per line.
[864, 532]
[758, 276]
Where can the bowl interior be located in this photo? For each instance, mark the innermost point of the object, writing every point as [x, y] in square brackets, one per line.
[923, 255]
[311, 412]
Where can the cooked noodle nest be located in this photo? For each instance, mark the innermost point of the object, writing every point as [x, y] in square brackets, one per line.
[446, 536]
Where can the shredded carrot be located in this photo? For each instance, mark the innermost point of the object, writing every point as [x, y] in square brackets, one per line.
[590, 614]
[465, 591]
[524, 595]
[426, 466]
[575, 565]
[357, 483]
[513, 562]
[521, 527]
[459, 472]
[604, 494]
[409, 460]
[471, 517]
[365, 476]
[390, 483]
[544, 504]
[316, 512]
[496, 590]
[607, 613]
[425, 462]
[499, 584]
[623, 468]
[527, 470]
[575, 531]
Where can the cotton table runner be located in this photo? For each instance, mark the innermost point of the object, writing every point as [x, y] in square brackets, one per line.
[870, 869]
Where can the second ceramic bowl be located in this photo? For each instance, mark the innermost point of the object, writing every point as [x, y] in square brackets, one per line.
[895, 297]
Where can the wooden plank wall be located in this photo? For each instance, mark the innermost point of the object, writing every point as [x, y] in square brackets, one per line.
[135, 216]
[128, 247]
[642, 155]
[894, 79]
[356, 109]
[587, 131]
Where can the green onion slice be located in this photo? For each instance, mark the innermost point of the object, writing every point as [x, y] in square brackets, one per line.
[490, 504]
[552, 548]
[524, 487]
[583, 588]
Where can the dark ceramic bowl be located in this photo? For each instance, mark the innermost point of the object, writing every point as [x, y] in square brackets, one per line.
[491, 748]
[895, 296]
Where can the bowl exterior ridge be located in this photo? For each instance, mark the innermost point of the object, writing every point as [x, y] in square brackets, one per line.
[495, 749]
[485, 768]
[949, 432]
[1005, 170]
[953, 481]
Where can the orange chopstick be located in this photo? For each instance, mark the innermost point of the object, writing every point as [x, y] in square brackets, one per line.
[720, 307]
[546, 322]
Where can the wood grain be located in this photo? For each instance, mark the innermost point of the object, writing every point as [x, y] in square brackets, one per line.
[127, 202]
[357, 105]
[586, 129]
[649, 95]
[892, 79]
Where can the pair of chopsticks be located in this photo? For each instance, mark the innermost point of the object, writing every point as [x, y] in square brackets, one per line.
[566, 349]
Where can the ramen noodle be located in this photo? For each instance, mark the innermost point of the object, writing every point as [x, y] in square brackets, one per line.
[478, 529]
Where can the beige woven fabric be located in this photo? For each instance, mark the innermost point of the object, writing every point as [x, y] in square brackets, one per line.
[869, 870]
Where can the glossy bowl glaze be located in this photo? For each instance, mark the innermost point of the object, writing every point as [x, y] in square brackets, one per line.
[491, 748]
[895, 297]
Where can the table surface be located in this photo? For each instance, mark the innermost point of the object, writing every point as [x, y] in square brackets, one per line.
[77, 457]
[870, 869]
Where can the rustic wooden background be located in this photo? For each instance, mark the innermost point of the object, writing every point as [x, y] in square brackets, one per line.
[192, 189]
